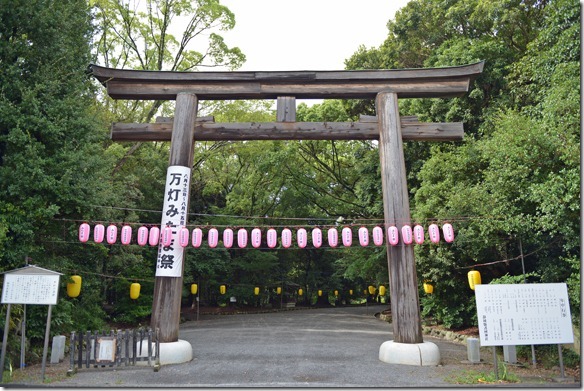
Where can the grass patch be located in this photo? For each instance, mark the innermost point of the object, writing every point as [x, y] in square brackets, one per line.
[472, 376]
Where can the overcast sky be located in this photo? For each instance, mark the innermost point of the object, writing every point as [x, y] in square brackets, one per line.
[279, 35]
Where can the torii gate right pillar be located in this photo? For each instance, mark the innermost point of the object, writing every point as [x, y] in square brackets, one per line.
[407, 346]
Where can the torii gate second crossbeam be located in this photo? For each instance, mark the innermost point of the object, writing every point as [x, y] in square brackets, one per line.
[385, 86]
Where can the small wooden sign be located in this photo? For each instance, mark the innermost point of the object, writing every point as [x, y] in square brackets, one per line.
[105, 350]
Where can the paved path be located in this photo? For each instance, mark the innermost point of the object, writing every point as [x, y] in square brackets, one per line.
[332, 347]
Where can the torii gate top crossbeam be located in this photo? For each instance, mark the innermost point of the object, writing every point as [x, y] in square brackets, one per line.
[363, 84]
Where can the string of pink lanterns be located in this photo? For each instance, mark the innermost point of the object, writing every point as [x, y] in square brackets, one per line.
[166, 235]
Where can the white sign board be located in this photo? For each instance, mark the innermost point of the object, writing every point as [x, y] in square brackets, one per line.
[30, 289]
[523, 314]
[174, 214]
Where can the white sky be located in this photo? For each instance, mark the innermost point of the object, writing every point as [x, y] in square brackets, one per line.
[295, 35]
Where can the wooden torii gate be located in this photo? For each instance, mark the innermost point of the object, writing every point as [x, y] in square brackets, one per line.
[385, 86]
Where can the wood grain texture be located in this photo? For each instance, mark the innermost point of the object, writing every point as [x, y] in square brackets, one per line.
[168, 290]
[210, 131]
[286, 109]
[362, 84]
[403, 282]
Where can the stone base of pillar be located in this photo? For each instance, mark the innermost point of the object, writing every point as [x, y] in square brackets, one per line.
[420, 354]
[171, 352]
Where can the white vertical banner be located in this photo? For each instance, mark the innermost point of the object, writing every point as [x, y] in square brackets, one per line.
[174, 215]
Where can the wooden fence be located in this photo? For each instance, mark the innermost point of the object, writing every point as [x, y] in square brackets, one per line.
[116, 348]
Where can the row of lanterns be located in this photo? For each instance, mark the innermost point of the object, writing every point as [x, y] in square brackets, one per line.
[155, 235]
[256, 290]
[74, 287]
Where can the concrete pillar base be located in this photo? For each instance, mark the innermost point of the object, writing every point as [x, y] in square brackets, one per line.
[170, 352]
[420, 354]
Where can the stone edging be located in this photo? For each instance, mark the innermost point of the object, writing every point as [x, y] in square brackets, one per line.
[433, 332]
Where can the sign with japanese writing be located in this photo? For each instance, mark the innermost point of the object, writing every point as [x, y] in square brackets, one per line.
[106, 350]
[30, 289]
[523, 314]
[174, 215]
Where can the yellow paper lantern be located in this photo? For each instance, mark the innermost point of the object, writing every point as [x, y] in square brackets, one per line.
[134, 291]
[256, 291]
[336, 293]
[351, 292]
[300, 292]
[474, 278]
[319, 293]
[278, 290]
[194, 289]
[428, 288]
[382, 290]
[74, 288]
[222, 289]
[371, 289]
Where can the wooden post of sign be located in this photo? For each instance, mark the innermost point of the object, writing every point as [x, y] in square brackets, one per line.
[403, 285]
[168, 290]
[46, 345]
[4, 341]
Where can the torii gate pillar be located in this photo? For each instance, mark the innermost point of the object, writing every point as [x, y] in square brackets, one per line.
[168, 286]
[407, 346]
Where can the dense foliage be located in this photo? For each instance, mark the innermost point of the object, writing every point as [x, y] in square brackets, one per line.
[513, 186]
[511, 189]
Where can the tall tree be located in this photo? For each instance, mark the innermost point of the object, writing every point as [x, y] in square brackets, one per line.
[137, 35]
[52, 163]
[515, 177]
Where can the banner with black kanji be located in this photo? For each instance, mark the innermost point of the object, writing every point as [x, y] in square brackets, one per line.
[174, 215]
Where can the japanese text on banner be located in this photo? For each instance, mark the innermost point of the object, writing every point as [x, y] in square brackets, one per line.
[174, 215]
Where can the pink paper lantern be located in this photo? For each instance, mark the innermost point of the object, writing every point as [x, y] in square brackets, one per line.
[301, 237]
[434, 233]
[377, 233]
[183, 236]
[407, 236]
[142, 238]
[84, 232]
[126, 235]
[316, 237]
[98, 233]
[448, 232]
[167, 236]
[242, 238]
[363, 236]
[111, 234]
[419, 234]
[393, 235]
[272, 238]
[213, 237]
[333, 237]
[197, 237]
[256, 237]
[154, 236]
[286, 238]
[347, 236]
[227, 237]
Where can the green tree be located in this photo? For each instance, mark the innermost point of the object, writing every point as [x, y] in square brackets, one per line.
[516, 176]
[52, 165]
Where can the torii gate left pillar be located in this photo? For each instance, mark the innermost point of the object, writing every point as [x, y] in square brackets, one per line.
[168, 286]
